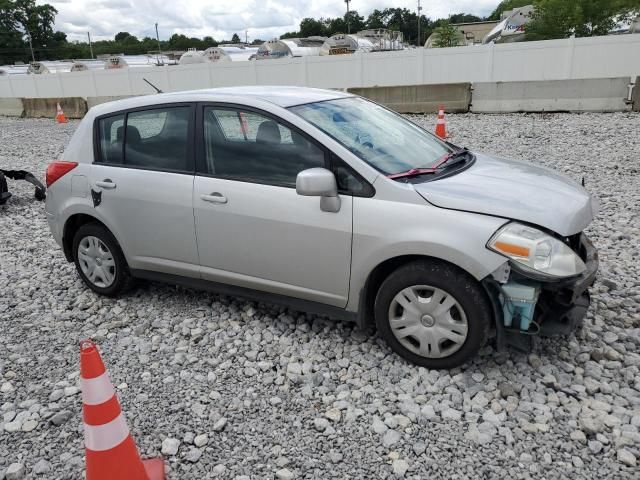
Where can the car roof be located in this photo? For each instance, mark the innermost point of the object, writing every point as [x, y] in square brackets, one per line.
[281, 96]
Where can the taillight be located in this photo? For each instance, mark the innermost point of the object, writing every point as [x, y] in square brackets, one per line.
[57, 170]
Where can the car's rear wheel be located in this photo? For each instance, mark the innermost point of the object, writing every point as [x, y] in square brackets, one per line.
[432, 314]
[99, 260]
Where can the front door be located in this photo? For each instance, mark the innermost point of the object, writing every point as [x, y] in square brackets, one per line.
[252, 229]
[143, 187]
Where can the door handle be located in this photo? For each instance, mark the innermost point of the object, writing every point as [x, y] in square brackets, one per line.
[215, 197]
[107, 184]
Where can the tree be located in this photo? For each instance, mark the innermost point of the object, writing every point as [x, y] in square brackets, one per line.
[209, 42]
[290, 35]
[582, 18]
[354, 21]
[20, 19]
[464, 18]
[310, 27]
[235, 38]
[446, 35]
[121, 36]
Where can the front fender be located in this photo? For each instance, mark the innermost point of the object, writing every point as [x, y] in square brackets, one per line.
[384, 230]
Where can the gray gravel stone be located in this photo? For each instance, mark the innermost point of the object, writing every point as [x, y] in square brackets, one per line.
[595, 446]
[170, 446]
[400, 467]
[220, 424]
[591, 425]
[193, 455]
[15, 471]
[390, 438]
[320, 424]
[285, 474]
[626, 457]
[201, 440]
[41, 467]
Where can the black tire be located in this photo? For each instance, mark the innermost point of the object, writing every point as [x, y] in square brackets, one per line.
[123, 279]
[464, 288]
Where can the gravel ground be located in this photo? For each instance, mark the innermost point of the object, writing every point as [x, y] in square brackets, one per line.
[231, 389]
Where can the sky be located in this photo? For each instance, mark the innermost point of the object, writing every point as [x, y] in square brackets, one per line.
[220, 19]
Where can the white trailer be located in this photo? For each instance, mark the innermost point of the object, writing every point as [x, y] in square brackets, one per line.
[290, 47]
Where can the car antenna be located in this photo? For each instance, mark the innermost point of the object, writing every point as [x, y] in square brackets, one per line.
[153, 86]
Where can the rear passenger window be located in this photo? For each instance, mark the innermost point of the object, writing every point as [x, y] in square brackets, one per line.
[111, 130]
[158, 139]
[247, 146]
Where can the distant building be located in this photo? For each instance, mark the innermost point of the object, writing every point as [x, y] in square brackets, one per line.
[510, 28]
[471, 33]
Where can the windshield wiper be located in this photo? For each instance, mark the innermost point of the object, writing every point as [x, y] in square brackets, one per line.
[449, 160]
[414, 172]
[453, 158]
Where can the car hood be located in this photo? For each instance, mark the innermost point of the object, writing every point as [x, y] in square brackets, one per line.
[514, 190]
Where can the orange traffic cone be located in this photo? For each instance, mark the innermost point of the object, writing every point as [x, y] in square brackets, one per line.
[441, 124]
[109, 447]
[60, 118]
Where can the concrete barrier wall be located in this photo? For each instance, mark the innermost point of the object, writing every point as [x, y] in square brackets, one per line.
[74, 107]
[455, 97]
[11, 107]
[589, 95]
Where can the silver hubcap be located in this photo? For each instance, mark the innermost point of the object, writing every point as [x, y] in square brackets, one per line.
[428, 321]
[96, 262]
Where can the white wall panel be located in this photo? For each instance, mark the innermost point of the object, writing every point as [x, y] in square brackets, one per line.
[597, 57]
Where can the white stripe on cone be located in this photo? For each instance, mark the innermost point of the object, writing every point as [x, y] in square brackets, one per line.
[96, 391]
[99, 438]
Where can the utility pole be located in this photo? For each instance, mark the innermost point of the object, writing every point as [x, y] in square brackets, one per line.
[348, 18]
[419, 22]
[33, 58]
[90, 46]
[159, 49]
[246, 37]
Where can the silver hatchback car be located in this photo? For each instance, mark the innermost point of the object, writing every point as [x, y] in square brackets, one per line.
[331, 204]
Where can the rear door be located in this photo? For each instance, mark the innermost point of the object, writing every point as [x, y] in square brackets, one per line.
[143, 181]
[253, 229]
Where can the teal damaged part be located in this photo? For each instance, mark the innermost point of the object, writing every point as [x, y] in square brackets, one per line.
[518, 303]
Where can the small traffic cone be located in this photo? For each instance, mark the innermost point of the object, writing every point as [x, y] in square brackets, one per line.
[441, 124]
[60, 118]
[110, 450]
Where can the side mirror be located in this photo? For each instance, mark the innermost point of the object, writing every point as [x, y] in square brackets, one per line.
[319, 182]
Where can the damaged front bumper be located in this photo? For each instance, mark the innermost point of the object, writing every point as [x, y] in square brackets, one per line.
[561, 306]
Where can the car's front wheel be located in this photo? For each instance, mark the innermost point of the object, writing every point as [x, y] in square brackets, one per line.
[432, 314]
[99, 260]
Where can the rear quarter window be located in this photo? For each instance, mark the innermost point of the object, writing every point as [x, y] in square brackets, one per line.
[110, 136]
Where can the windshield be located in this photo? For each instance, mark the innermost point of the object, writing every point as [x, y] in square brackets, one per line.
[383, 139]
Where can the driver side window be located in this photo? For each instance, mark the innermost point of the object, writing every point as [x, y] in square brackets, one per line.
[248, 146]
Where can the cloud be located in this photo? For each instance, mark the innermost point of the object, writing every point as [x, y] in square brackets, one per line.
[222, 18]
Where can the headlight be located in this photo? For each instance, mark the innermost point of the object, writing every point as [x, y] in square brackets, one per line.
[535, 252]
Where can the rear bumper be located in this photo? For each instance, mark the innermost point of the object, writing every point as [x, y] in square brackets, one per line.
[53, 226]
